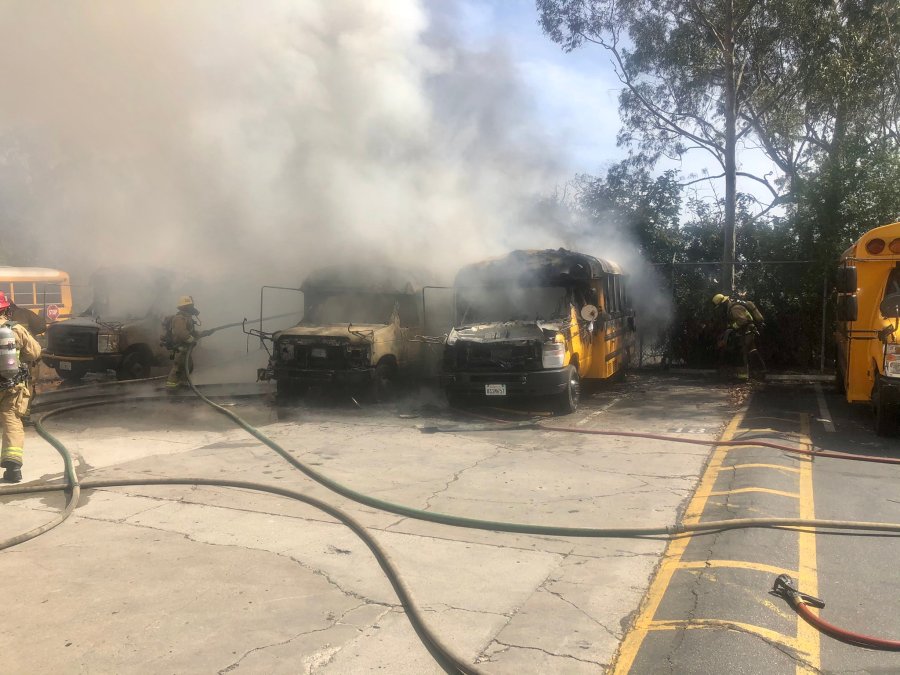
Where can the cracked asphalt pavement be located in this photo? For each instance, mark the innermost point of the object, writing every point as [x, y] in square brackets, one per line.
[208, 580]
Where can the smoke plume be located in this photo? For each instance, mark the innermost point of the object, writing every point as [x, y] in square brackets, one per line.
[240, 143]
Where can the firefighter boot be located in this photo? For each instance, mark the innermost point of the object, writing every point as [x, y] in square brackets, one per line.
[12, 475]
[13, 472]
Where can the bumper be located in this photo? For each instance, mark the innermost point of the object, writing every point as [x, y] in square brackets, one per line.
[327, 377]
[521, 384]
[90, 364]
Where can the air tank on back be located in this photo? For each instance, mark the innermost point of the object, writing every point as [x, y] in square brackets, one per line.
[9, 355]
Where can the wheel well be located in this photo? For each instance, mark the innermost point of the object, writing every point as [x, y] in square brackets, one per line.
[142, 349]
[387, 360]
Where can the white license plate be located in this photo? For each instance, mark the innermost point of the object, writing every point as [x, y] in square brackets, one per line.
[65, 365]
[495, 390]
[318, 353]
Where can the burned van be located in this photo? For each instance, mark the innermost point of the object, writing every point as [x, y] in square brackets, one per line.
[119, 331]
[535, 324]
[359, 331]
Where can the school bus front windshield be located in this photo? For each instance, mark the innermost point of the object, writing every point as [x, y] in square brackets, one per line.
[512, 303]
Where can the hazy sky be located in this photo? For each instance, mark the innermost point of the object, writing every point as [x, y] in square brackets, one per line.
[576, 94]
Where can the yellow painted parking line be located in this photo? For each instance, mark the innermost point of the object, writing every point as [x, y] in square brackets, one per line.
[768, 491]
[759, 465]
[672, 557]
[808, 638]
[736, 564]
[719, 624]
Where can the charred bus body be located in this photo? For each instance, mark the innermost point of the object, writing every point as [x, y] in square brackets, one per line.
[358, 331]
[535, 324]
[119, 331]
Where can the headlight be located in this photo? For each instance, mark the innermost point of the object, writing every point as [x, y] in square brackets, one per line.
[285, 351]
[107, 343]
[553, 354]
[892, 359]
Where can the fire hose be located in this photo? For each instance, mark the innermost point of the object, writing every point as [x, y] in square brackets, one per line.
[801, 603]
[73, 487]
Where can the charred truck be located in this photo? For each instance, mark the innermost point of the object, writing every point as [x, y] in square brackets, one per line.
[119, 331]
[359, 330]
[535, 324]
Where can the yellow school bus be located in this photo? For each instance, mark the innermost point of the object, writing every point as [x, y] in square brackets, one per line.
[46, 293]
[536, 323]
[867, 335]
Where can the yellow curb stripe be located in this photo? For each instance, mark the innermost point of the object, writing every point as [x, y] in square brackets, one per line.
[769, 491]
[669, 564]
[757, 465]
[719, 624]
[808, 639]
[736, 564]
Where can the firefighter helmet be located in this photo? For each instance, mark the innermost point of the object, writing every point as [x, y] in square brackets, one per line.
[718, 298]
[4, 301]
[186, 304]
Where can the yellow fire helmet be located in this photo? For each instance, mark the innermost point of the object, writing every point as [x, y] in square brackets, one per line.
[718, 298]
[186, 304]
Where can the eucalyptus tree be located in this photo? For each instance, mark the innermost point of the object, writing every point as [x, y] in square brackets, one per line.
[684, 65]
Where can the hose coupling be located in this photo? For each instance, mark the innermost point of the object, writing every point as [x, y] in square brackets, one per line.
[784, 588]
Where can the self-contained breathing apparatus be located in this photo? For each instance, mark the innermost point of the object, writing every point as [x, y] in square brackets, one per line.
[12, 371]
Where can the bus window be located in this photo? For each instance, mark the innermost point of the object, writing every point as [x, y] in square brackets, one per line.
[613, 295]
[49, 294]
[23, 293]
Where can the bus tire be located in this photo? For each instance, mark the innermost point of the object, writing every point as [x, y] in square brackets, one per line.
[136, 365]
[885, 414]
[567, 401]
[385, 382]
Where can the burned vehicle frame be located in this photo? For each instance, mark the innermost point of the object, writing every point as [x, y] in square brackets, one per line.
[359, 331]
[119, 331]
[534, 324]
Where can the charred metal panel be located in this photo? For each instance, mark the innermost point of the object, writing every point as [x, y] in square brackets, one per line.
[536, 268]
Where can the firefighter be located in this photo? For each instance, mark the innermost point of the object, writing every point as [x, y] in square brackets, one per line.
[743, 321]
[181, 333]
[18, 350]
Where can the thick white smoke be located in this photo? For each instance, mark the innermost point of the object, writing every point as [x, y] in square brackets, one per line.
[242, 143]
[262, 136]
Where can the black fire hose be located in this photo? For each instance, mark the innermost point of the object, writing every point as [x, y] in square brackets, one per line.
[441, 653]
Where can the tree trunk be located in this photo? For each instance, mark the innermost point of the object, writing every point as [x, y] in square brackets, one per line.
[728, 254]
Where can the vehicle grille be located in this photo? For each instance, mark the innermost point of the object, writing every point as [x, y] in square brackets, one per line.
[493, 356]
[63, 340]
[311, 356]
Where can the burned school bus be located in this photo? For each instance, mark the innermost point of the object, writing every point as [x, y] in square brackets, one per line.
[358, 330]
[867, 336]
[535, 324]
[119, 331]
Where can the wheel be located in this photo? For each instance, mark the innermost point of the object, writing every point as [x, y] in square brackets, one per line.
[385, 382]
[885, 414]
[135, 366]
[567, 401]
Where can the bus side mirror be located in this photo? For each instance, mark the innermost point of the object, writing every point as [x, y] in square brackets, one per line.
[846, 279]
[847, 307]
